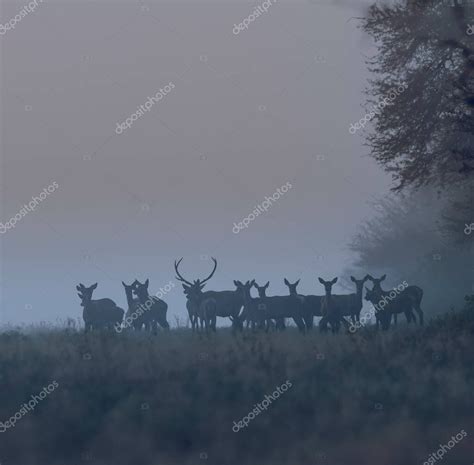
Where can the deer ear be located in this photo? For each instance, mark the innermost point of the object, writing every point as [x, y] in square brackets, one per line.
[353, 279]
[80, 296]
[93, 287]
[78, 288]
[124, 285]
[383, 277]
[236, 283]
[286, 282]
[81, 285]
[297, 282]
[321, 280]
[369, 277]
[252, 283]
[334, 281]
[147, 282]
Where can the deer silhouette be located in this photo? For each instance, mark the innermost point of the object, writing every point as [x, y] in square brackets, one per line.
[351, 304]
[262, 311]
[154, 309]
[133, 302]
[262, 294]
[330, 310]
[98, 314]
[227, 304]
[391, 303]
[311, 303]
[193, 297]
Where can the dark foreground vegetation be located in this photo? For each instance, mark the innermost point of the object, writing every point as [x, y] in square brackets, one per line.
[368, 398]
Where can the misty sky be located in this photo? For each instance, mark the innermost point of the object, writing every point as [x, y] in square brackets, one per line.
[249, 113]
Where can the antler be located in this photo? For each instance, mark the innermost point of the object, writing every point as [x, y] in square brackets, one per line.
[179, 277]
[212, 273]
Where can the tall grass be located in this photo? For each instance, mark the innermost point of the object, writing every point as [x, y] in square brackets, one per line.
[369, 398]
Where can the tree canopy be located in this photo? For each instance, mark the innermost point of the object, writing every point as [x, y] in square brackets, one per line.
[425, 137]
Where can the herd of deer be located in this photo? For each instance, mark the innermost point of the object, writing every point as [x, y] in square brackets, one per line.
[262, 312]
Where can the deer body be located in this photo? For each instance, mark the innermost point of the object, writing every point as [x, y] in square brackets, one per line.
[98, 314]
[351, 304]
[250, 312]
[405, 302]
[154, 309]
[133, 303]
[330, 309]
[210, 304]
[311, 303]
[262, 310]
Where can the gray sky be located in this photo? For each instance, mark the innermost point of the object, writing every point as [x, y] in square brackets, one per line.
[249, 113]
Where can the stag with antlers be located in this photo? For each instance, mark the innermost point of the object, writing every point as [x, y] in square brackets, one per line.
[224, 304]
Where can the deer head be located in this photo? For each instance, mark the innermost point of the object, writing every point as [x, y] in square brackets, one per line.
[85, 293]
[244, 289]
[377, 282]
[193, 288]
[141, 290]
[328, 285]
[370, 295]
[262, 290]
[292, 287]
[359, 283]
[130, 287]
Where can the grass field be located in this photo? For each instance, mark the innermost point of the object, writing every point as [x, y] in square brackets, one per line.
[369, 398]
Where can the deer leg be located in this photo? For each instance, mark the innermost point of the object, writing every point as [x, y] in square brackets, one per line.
[309, 321]
[163, 323]
[300, 323]
[323, 324]
[266, 324]
[419, 311]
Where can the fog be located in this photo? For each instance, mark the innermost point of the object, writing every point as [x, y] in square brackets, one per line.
[248, 113]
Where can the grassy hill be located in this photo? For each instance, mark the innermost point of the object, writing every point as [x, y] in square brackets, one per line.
[368, 398]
